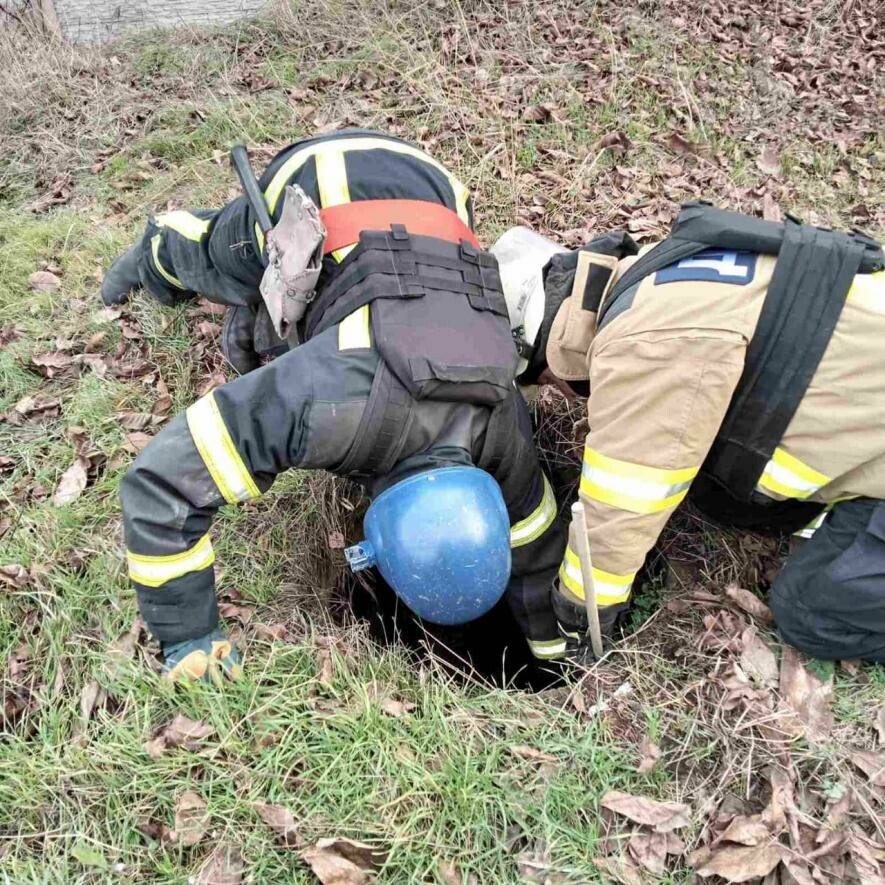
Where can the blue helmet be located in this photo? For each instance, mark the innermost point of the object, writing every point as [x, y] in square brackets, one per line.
[441, 539]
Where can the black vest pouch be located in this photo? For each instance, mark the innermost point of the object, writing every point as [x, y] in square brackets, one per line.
[439, 318]
[454, 343]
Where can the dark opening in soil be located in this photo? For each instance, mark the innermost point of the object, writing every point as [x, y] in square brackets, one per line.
[491, 649]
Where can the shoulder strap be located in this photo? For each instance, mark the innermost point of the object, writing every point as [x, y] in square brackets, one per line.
[811, 279]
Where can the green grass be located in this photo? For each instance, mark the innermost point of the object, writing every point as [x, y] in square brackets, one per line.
[440, 784]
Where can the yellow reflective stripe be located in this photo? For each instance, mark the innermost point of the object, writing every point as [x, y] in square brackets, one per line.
[156, 239]
[813, 526]
[184, 223]
[868, 291]
[332, 184]
[611, 589]
[353, 330]
[788, 476]
[537, 522]
[633, 487]
[154, 571]
[547, 649]
[218, 452]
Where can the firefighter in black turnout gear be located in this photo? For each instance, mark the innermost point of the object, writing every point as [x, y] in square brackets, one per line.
[404, 374]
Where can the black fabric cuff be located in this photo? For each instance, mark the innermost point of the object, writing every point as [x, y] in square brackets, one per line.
[185, 610]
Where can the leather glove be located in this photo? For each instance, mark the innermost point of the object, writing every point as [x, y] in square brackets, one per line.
[208, 658]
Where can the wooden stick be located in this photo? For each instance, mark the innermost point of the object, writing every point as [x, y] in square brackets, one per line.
[580, 522]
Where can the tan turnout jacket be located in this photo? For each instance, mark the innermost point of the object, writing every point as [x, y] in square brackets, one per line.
[662, 374]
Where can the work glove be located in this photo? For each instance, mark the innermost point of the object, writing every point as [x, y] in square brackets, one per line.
[208, 658]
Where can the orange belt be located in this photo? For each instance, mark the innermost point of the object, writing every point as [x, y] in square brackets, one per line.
[346, 222]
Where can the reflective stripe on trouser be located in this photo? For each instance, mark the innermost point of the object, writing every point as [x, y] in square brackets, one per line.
[218, 451]
[809, 530]
[154, 571]
[633, 487]
[611, 589]
[187, 225]
[537, 522]
[785, 476]
[547, 649]
[353, 330]
[329, 171]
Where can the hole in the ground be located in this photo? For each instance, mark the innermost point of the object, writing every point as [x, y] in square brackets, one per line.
[491, 649]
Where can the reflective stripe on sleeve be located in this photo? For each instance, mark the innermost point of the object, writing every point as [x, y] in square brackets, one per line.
[787, 476]
[154, 571]
[610, 589]
[537, 522]
[633, 487]
[184, 223]
[218, 452]
[547, 649]
[353, 330]
[156, 240]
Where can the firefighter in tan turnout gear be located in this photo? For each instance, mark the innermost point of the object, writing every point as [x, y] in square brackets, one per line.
[740, 362]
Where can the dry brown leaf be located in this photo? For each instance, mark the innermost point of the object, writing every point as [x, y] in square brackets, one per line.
[223, 867]
[620, 869]
[72, 483]
[396, 708]
[869, 872]
[52, 364]
[808, 696]
[746, 830]
[872, 764]
[770, 209]
[750, 603]
[679, 145]
[92, 697]
[43, 281]
[768, 161]
[758, 660]
[522, 751]
[135, 442]
[450, 874]
[325, 667]
[332, 869]
[34, 408]
[181, 732]
[649, 850]
[661, 816]
[340, 861]
[335, 541]
[15, 575]
[191, 818]
[650, 754]
[282, 822]
[134, 420]
[737, 863]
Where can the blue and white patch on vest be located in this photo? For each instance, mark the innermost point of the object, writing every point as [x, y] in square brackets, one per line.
[711, 266]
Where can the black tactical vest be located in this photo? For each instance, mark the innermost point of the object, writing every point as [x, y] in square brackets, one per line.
[439, 322]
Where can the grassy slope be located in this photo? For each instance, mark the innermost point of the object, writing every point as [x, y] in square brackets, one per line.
[153, 113]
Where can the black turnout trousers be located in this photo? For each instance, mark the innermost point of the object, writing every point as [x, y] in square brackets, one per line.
[829, 599]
